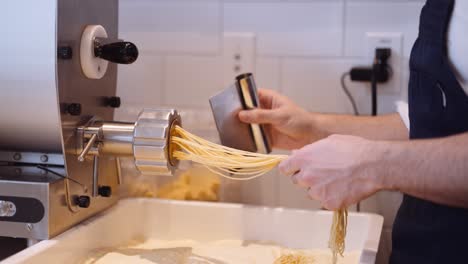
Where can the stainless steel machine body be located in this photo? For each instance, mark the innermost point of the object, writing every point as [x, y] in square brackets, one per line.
[59, 145]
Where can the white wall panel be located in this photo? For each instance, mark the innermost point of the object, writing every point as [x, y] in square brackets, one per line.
[311, 28]
[172, 26]
[268, 73]
[142, 81]
[191, 80]
[380, 16]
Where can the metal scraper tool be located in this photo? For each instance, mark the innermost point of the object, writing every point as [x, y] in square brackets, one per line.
[227, 104]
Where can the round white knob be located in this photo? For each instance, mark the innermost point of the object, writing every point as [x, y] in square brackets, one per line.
[93, 67]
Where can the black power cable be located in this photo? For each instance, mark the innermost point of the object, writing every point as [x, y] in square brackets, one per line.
[374, 89]
[381, 72]
[348, 93]
[44, 168]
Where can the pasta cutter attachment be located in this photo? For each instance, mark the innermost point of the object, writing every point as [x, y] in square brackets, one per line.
[151, 142]
[227, 104]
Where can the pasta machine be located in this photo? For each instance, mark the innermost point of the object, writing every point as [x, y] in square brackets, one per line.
[59, 146]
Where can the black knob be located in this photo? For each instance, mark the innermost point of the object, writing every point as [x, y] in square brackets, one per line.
[83, 201]
[117, 52]
[113, 102]
[105, 191]
[74, 109]
[64, 52]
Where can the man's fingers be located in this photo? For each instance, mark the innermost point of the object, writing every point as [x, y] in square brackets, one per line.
[314, 193]
[265, 98]
[290, 166]
[267, 94]
[259, 116]
[299, 179]
[334, 203]
[327, 201]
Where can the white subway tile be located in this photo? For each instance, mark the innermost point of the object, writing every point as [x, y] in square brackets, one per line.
[192, 80]
[380, 16]
[239, 55]
[289, 28]
[169, 26]
[141, 82]
[268, 73]
[315, 84]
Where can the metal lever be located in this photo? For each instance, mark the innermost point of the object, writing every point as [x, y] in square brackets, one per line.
[95, 176]
[117, 52]
[87, 148]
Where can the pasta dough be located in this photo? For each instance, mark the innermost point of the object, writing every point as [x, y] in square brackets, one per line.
[216, 252]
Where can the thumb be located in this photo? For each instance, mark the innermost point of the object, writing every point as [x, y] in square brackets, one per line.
[259, 116]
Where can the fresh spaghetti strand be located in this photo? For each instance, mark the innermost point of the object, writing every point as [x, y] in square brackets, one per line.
[224, 161]
[338, 234]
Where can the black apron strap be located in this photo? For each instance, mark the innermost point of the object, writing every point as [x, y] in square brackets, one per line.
[426, 232]
[435, 19]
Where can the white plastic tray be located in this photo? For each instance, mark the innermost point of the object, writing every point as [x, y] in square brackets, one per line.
[172, 220]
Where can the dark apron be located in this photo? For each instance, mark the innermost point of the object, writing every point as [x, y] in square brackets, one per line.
[426, 232]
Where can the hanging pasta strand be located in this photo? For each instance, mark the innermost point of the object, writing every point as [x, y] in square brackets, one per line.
[338, 234]
[241, 165]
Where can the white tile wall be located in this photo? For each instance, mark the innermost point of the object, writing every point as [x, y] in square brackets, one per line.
[177, 26]
[147, 90]
[191, 80]
[295, 28]
[268, 72]
[302, 47]
[315, 83]
[380, 16]
[239, 55]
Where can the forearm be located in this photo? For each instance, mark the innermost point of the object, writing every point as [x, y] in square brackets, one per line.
[434, 170]
[385, 127]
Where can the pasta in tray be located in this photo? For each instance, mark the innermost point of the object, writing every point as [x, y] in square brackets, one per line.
[294, 259]
[243, 166]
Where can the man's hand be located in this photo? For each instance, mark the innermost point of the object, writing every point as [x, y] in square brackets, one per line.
[288, 125]
[339, 170]
[291, 127]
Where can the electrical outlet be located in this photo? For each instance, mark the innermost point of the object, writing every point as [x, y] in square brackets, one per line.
[239, 52]
[394, 41]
